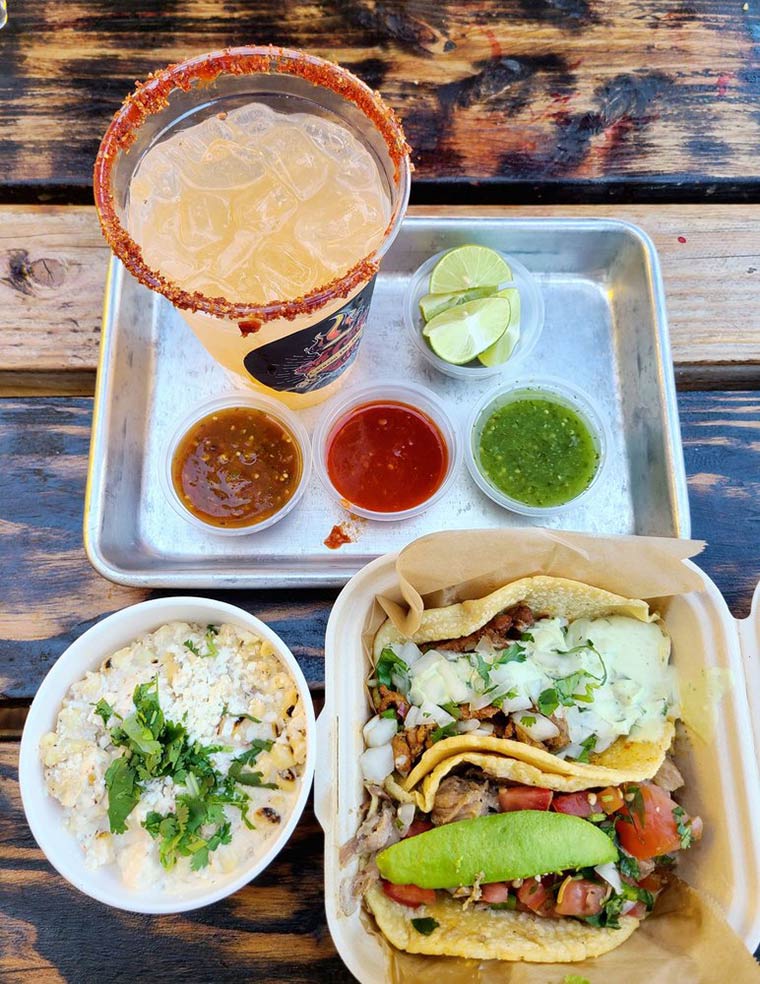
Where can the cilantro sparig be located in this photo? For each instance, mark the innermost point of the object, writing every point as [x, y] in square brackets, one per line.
[156, 748]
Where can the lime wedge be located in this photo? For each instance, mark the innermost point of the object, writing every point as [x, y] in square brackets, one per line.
[468, 266]
[433, 304]
[461, 333]
[503, 347]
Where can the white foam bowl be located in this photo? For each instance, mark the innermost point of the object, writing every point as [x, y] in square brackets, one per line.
[45, 815]
[721, 774]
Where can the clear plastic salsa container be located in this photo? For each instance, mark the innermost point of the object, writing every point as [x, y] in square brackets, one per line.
[546, 388]
[413, 396]
[531, 319]
[272, 408]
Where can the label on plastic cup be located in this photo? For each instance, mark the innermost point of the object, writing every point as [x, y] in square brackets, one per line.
[312, 358]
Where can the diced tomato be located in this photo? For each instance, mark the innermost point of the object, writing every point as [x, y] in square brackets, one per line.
[576, 804]
[494, 892]
[638, 911]
[411, 895]
[655, 882]
[610, 799]
[418, 826]
[647, 826]
[536, 897]
[513, 798]
[580, 897]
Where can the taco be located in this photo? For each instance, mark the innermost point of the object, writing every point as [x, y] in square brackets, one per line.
[501, 870]
[565, 677]
[519, 785]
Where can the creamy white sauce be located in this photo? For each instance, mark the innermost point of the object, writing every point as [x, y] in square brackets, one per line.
[624, 684]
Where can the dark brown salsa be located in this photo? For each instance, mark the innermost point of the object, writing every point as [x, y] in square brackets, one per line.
[236, 467]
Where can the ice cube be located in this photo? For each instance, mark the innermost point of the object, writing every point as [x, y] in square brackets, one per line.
[249, 122]
[295, 158]
[267, 208]
[332, 138]
[204, 219]
[286, 274]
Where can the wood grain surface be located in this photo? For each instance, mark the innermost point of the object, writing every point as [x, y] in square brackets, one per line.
[51, 594]
[504, 102]
[53, 261]
[273, 930]
[568, 98]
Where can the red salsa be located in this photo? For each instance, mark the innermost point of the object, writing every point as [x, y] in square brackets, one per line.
[386, 456]
[236, 467]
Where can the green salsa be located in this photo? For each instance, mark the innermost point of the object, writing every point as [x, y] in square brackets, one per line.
[538, 451]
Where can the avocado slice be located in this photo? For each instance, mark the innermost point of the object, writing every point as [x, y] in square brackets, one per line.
[499, 847]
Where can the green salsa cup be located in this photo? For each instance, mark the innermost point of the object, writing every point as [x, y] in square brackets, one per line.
[536, 446]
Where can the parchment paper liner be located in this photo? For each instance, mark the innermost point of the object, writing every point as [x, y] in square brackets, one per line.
[687, 939]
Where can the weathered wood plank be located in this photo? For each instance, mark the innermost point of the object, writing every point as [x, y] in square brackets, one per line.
[52, 274]
[577, 96]
[272, 930]
[51, 594]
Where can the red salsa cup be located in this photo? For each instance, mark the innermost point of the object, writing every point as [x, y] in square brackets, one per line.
[386, 451]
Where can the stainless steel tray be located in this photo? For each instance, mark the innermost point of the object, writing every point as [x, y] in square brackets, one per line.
[605, 330]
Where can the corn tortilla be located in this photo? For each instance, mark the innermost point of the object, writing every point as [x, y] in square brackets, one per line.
[492, 934]
[497, 767]
[556, 597]
[626, 760]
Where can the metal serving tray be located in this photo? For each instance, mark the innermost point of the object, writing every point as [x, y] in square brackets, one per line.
[605, 330]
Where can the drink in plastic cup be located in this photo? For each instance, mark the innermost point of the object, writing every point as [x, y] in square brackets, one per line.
[257, 189]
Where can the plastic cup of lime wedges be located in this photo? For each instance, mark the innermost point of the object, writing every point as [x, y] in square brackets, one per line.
[472, 310]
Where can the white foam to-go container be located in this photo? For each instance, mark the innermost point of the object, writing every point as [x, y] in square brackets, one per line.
[721, 773]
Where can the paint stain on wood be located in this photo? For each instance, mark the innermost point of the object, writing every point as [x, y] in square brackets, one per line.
[721, 86]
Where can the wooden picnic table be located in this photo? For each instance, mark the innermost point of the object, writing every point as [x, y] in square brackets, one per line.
[644, 110]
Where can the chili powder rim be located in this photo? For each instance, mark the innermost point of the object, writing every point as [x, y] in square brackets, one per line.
[151, 96]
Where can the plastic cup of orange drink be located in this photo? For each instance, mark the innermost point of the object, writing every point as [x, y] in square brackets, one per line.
[257, 189]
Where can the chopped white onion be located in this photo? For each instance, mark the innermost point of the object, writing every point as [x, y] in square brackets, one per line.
[484, 728]
[464, 726]
[379, 731]
[479, 701]
[413, 717]
[627, 906]
[516, 704]
[611, 875]
[400, 682]
[539, 729]
[377, 763]
[405, 814]
[569, 752]
[409, 653]
[434, 714]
